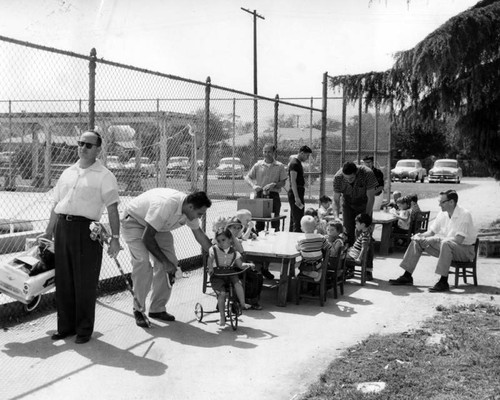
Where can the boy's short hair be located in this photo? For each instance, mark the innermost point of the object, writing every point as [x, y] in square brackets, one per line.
[413, 197]
[337, 225]
[311, 211]
[307, 224]
[396, 193]
[404, 200]
[325, 199]
[364, 219]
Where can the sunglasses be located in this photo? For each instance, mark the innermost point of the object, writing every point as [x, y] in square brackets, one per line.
[87, 145]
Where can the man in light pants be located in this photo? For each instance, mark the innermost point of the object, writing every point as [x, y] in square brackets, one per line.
[147, 223]
[451, 236]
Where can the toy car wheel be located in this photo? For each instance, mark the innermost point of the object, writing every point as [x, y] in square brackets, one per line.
[33, 303]
[198, 311]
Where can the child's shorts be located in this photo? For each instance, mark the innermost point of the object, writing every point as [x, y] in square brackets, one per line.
[219, 283]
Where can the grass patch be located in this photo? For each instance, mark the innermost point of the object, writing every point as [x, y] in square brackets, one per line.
[454, 355]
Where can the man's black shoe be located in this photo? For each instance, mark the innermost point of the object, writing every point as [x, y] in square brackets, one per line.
[267, 274]
[402, 281]
[59, 336]
[139, 319]
[440, 287]
[164, 316]
[369, 276]
[82, 339]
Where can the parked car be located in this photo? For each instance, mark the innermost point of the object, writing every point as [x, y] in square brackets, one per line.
[409, 170]
[226, 167]
[445, 170]
[147, 167]
[177, 167]
[113, 163]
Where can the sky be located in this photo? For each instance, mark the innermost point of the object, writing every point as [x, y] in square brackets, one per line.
[297, 42]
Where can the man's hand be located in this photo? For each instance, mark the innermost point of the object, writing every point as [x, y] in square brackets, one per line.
[299, 204]
[45, 236]
[114, 247]
[210, 271]
[257, 188]
[269, 186]
[169, 268]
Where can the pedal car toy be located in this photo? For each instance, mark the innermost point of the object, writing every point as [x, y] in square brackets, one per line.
[27, 276]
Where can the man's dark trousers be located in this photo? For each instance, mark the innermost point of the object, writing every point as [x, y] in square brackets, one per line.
[78, 264]
[296, 213]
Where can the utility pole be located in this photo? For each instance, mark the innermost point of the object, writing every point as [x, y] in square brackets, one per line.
[255, 91]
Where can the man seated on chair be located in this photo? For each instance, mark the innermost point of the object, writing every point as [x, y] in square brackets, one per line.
[451, 236]
[363, 224]
[311, 248]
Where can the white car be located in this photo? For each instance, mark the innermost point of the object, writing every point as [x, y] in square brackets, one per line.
[409, 170]
[227, 166]
[445, 170]
[177, 167]
[147, 167]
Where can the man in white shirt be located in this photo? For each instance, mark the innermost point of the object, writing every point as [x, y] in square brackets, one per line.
[451, 236]
[266, 178]
[147, 223]
[80, 196]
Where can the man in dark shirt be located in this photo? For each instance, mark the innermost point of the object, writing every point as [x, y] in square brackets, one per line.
[357, 187]
[297, 189]
[378, 174]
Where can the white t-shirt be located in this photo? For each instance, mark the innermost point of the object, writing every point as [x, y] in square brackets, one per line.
[460, 223]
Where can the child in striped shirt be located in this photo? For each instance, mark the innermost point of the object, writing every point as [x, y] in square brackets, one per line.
[311, 247]
[361, 246]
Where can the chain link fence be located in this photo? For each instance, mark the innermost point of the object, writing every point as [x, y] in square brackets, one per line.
[159, 131]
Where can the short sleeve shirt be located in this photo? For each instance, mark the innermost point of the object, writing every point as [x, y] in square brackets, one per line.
[85, 192]
[355, 193]
[162, 209]
[296, 165]
[264, 173]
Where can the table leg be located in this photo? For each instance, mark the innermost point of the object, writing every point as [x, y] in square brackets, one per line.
[285, 281]
[385, 239]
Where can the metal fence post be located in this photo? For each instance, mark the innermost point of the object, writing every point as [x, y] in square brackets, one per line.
[322, 182]
[92, 68]
[206, 154]
[360, 113]
[344, 129]
[276, 112]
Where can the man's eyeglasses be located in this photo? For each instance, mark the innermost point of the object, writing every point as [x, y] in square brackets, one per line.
[87, 145]
[443, 201]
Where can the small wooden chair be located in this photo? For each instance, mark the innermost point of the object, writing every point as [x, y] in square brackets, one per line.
[335, 273]
[302, 279]
[468, 269]
[359, 270]
[419, 224]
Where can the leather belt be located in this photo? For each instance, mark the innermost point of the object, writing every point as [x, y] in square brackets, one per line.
[75, 218]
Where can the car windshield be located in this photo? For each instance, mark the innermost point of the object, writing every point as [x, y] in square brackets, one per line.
[406, 164]
[446, 164]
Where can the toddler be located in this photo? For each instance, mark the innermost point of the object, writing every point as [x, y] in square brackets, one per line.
[245, 217]
[224, 259]
[360, 247]
[334, 231]
[320, 224]
[325, 207]
[403, 214]
[311, 247]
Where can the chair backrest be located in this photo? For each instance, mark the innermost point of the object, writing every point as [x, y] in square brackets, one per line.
[337, 263]
[476, 248]
[422, 222]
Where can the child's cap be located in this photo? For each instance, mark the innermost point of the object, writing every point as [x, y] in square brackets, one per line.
[234, 222]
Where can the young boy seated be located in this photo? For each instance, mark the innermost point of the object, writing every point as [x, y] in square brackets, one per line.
[325, 207]
[311, 247]
[320, 224]
[360, 247]
[245, 217]
[395, 196]
[335, 236]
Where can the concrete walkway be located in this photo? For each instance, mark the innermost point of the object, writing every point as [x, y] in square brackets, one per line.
[274, 354]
